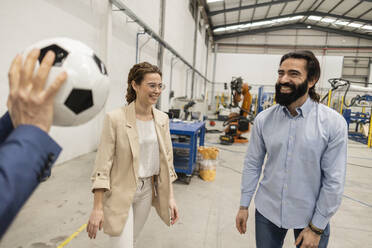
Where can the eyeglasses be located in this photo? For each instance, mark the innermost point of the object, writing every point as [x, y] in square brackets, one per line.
[154, 86]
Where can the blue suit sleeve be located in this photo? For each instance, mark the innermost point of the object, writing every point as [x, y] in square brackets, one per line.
[6, 127]
[26, 158]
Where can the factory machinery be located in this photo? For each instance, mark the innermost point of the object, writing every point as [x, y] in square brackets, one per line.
[237, 123]
[354, 109]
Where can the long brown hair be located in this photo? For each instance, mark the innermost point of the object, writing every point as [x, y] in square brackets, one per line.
[136, 74]
[312, 67]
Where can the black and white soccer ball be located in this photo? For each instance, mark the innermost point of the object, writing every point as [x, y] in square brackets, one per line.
[85, 91]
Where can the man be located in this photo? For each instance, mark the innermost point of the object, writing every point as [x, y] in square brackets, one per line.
[26, 150]
[305, 143]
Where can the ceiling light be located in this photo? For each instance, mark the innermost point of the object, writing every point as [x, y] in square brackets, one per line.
[246, 25]
[233, 27]
[281, 19]
[213, 1]
[315, 18]
[343, 23]
[368, 27]
[355, 25]
[255, 24]
[328, 20]
[308, 26]
[218, 30]
[285, 19]
[296, 17]
[261, 23]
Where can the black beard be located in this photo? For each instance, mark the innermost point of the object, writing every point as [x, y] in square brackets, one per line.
[285, 99]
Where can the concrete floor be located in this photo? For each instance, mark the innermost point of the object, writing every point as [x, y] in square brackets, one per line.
[61, 205]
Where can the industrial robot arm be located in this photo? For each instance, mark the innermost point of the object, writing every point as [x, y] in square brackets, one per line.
[237, 123]
[337, 83]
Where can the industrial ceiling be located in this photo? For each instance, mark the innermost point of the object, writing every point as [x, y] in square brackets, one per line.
[233, 18]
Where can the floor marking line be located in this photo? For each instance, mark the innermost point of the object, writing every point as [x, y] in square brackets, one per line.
[72, 236]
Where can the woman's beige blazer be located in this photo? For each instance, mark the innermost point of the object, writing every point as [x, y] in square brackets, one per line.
[116, 167]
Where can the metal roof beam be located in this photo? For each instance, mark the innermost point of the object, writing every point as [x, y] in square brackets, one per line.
[252, 6]
[308, 13]
[322, 14]
[305, 47]
[292, 26]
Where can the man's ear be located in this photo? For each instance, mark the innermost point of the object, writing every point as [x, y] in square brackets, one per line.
[311, 83]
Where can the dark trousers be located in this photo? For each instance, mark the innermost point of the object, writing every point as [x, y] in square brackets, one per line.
[269, 235]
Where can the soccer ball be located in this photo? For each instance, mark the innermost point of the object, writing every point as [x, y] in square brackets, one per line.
[85, 91]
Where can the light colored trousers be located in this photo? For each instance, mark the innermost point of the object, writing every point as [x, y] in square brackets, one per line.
[138, 213]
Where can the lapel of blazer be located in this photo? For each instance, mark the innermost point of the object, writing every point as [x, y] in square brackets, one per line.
[160, 132]
[130, 116]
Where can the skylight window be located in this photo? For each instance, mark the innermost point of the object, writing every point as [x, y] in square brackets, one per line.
[355, 25]
[343, 23]
[254, 24]
[257, 24]
[285, 19]
[367, 27]
[233, 27]
[328, 20]
[217, 30]
[296, 18]
[315, 18]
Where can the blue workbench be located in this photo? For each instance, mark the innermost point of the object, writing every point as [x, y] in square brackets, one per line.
[193, 131]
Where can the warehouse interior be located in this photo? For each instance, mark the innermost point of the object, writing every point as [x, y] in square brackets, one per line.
[207, 50]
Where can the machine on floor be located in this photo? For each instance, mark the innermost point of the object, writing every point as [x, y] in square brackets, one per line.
[237, 122]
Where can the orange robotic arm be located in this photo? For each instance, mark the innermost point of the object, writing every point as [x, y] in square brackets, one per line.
[247, 100]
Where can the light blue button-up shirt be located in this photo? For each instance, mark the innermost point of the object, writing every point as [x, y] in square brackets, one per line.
[304, 175]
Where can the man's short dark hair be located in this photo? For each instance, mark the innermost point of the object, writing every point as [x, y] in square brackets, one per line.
[312, 68]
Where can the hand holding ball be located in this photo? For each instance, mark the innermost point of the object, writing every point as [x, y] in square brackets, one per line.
[85, 91]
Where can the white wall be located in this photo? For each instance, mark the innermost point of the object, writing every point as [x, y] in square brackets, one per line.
[111, 35]
[289, 39]
[36, 20]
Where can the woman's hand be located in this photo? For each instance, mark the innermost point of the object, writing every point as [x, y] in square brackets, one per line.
[174, 210]
[95, 222]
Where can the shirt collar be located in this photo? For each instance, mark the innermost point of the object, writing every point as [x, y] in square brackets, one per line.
[306, 107]
[302, 110]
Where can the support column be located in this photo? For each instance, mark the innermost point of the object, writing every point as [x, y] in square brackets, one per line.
[160, 47]
[196, 15]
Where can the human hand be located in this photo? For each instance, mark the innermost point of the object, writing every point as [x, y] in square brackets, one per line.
[28, 102]
[174, 211]
[241, 220]
[95, 223]
[309, 239]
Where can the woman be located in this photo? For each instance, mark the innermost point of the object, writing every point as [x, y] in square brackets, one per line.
[134, 163]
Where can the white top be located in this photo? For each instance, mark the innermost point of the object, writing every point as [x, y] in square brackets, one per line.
[149, 149]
